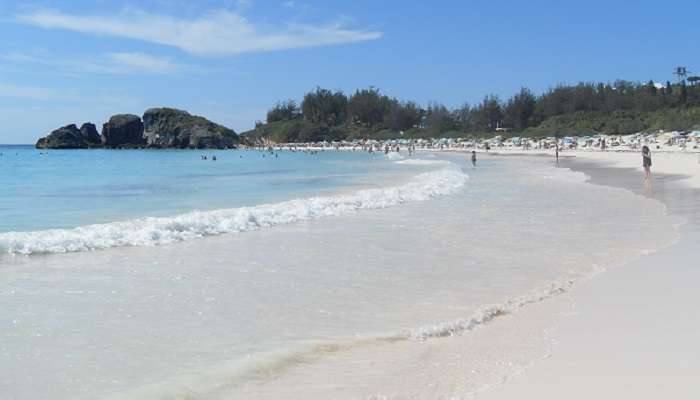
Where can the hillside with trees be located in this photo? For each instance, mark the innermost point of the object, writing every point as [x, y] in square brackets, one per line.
[621, 107]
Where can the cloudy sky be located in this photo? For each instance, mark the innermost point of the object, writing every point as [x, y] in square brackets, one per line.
[72, 61]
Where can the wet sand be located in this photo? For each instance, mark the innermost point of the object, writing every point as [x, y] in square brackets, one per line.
[633, 331]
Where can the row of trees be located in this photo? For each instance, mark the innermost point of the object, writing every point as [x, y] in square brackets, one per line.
[366, 108]
[369, 109]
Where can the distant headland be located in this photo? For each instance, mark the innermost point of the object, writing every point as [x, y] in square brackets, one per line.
[160, 128]
[584, 109]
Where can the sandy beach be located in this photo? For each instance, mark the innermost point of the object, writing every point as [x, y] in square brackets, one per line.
[683, 165]
[529, 278]
[444, 295]
[628, 333]
[632, 333]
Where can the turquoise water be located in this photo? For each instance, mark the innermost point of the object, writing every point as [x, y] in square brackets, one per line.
[391, 256]
[70, 188]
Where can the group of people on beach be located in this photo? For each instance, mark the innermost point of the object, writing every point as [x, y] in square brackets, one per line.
[646, 155]
[646, 159]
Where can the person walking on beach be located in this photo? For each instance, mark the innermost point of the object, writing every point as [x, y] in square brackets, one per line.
[473, 158]
[646, 162]
[556, 151]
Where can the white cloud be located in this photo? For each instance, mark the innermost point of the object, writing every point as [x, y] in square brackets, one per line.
[110, 63]
[139, 62]
[216, 33]
[18, 57]
[32, 93]
[242, 3]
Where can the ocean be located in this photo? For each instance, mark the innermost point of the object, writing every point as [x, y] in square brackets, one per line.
[137, 274]
[59, 189]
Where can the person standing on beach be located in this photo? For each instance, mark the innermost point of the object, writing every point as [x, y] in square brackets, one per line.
[473, 158]
[646, 162]
[556, 151]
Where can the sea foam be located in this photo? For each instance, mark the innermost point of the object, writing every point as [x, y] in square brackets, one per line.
[423, 162]
[153, 231]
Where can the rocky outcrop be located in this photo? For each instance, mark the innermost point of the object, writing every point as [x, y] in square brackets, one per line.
[161, 128]
[90, 135]
[169, 127]
[67, 137]
[123, 130]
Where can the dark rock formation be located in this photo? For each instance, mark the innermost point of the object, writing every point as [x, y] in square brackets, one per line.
[169, 127]
[164, 128]
[123, 130]
[67, 137]
[90, 135]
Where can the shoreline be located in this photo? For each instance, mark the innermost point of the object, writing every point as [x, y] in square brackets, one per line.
[633, 331]
[518, 338]
[408, 185]
[684, 164]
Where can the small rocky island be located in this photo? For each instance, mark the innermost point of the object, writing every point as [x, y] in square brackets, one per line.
[162, 128]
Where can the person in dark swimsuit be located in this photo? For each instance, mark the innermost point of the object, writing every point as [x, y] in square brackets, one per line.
[473, 158]
[646, 162]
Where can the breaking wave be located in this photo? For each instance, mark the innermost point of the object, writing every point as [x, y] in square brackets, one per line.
[394, 156]
[153, 231]
[423, 162]
[261, 366]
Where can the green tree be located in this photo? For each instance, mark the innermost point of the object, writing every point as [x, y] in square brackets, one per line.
[368, 108]
[519, 110]
[283, 111]
[487, 115]
[618, 107]
[651, 87]
[462, 116]
[402, 116]
[439, 119]
[325, 106]
[683, 93]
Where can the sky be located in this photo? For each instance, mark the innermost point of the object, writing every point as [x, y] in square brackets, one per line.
[75, 61]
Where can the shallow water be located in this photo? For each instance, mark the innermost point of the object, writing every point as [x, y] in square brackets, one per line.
[235, 315]
[44, 189]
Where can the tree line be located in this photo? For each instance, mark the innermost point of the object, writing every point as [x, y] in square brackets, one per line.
[369, 110]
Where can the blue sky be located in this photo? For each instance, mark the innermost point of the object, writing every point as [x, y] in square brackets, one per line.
[74, 61]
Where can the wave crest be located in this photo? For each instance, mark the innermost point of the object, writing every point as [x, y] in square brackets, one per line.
[420, 161]
[487, 314]
[153, 231]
